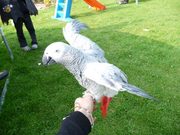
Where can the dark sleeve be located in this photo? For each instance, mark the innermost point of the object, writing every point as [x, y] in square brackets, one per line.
[31, 7]
[75, 124]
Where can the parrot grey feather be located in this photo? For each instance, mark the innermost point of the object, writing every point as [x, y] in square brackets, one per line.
[136, 91]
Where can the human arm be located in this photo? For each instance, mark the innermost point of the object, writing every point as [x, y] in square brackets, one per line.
[81, 120]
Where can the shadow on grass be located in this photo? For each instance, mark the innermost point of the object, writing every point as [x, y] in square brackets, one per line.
[110, 8]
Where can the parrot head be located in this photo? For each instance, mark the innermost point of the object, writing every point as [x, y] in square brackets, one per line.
[54, 53]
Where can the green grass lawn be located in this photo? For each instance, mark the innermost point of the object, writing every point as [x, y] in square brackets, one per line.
[143, 40]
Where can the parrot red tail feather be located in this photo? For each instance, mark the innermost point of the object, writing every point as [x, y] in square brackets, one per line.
[104, 105]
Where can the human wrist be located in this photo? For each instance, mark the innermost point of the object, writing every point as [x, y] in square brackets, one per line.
[86, 113]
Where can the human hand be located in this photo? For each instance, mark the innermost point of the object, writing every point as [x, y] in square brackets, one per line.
[86, 106]
[86, 102]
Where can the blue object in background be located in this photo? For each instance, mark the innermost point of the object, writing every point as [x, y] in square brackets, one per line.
[63, 10]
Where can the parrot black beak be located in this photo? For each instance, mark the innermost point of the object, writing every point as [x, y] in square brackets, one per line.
[47, 60]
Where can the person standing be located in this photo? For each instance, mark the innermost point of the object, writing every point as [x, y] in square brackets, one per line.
[20, 11]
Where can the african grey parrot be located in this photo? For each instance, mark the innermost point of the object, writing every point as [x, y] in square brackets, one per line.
[101, 80]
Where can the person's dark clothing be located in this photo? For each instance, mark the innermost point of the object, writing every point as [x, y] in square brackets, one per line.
[18, 9]
[23, 6]
[23, 16]
[75, 124]
[19, 30]
[5, 16]
[20, 13]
